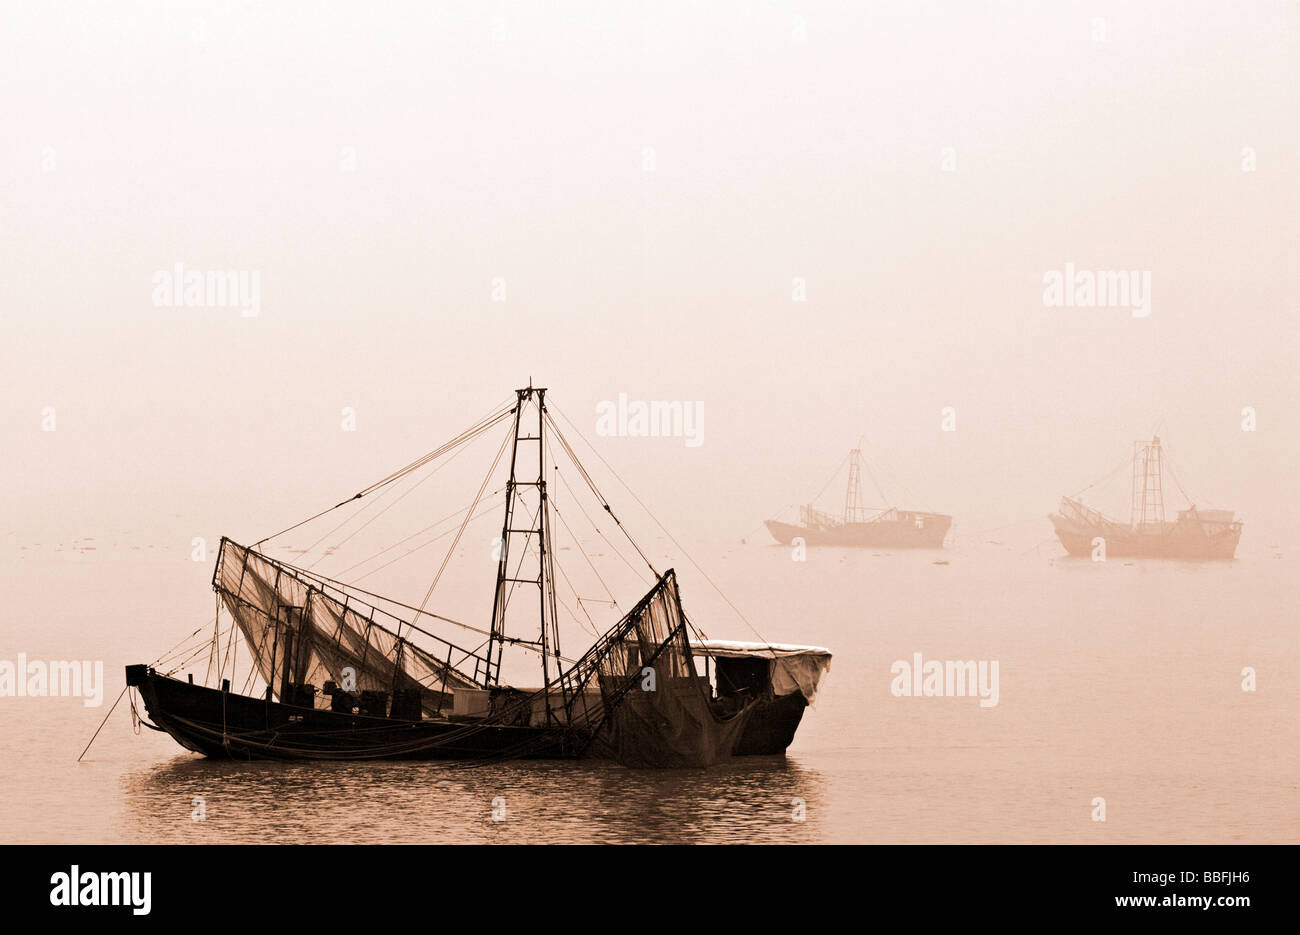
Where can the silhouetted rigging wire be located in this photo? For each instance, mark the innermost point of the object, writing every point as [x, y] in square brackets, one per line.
[670, 536]
[410, 490]
[481, 426]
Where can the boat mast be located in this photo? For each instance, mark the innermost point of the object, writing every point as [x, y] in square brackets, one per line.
[540, 527]
[546, 558]
[853, 494]
[1148, 501]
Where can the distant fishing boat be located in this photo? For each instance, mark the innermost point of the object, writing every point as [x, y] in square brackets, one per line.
[1196, 534]
[862, 526]
[349, 674]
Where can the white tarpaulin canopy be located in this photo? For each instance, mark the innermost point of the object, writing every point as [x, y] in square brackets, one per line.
[794, 668]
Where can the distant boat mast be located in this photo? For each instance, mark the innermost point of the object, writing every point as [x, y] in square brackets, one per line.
[1147, 507]
[853, 506]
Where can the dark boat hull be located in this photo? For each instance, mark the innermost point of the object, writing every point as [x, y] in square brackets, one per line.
[771, 726]
[224, 725]
[898, 534]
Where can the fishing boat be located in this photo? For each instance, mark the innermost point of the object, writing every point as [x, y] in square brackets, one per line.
[863, 526]
[1195, 534]
[336, 672]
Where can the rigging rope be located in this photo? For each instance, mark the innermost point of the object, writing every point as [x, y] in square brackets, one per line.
[461, 531]
[670, 536]
[612, 600]
[392, 504]
[874, 483]
[486, 512]
[835, 474]
[523, 553]
[1169, 462]
[1105, 477]
[582, 471]
[481, 426]
[102, 723]
[640, 575]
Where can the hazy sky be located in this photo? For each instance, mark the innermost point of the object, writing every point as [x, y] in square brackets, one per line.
[646, 181]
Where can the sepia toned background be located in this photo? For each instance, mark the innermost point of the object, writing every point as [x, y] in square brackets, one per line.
[823, 222]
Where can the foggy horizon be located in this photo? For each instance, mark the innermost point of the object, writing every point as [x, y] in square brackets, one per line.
[378, 239]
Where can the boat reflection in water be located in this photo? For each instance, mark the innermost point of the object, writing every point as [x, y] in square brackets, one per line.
[755, 799]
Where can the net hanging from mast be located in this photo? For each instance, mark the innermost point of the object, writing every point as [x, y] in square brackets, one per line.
[656, 709]
[303, 631]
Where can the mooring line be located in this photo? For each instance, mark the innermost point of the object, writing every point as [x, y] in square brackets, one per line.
[103, 722]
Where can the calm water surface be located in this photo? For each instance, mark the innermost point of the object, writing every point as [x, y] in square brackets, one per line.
[1120, 681]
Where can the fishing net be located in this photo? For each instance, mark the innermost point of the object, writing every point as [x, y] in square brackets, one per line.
[815, 518]
[1077, 512]
[634, 697]
[658, 709]
[301, 635]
